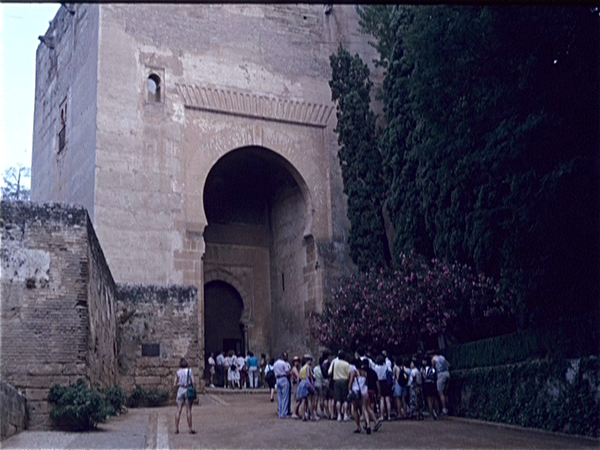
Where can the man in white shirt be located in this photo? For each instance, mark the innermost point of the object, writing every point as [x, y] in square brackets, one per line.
[282, 371]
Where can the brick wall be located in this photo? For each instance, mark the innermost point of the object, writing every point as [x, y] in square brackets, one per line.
[57, 296]
[157, 326]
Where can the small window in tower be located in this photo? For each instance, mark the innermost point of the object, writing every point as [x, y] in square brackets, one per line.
[154, 88]
[62, 127]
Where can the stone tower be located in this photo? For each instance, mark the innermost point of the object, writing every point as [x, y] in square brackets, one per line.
[200, 140]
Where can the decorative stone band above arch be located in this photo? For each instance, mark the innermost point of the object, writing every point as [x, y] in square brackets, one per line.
[221, 274]
[266, 107]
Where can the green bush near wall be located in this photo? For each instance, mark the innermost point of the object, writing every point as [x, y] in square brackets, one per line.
[77, 407]
[559, 396]
[568, 338]
[140, 397]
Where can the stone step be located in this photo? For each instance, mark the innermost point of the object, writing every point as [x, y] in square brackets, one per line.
[220, 390]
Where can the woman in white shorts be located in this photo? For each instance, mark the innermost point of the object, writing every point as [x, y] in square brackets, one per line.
[181, 381]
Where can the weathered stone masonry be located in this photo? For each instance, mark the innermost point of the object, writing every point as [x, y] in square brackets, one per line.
[58, 307]
[13, 411]
[157, 326]
[241, 99]
[63, 317]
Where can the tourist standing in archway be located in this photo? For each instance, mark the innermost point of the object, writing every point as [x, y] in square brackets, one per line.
[212, 369]
[252, 363]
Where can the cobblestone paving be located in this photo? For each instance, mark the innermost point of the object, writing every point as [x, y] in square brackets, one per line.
[250, 421]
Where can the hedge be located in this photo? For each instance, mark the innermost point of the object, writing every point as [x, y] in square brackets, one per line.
[568, 338]
[560, 396]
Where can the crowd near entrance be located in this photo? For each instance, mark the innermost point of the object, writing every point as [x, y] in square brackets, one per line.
[223, 308]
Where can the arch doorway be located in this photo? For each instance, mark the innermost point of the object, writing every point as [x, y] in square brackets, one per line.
[258, 210]
[223, 308]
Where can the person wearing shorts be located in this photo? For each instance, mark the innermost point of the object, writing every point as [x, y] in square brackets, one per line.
[183, 376]
[443, 378]
[340, 371]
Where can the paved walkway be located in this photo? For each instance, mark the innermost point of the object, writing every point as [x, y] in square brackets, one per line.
[223, 420]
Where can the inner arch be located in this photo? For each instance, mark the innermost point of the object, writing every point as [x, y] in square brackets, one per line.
[223, 308]
[242, 186]
[258, 210]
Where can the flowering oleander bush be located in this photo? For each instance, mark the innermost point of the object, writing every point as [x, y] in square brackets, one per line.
[395, 309]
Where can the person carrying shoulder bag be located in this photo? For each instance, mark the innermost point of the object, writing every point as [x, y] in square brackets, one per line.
[186, 393]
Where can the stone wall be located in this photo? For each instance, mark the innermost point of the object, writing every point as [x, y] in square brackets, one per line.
[13, 411]
[57, 322]
[245, 79]
[158, 325]
[102, 325]
[66, 90]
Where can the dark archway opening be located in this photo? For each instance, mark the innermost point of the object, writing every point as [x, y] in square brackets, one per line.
[256, 205]
[223, 308]
[240, 188]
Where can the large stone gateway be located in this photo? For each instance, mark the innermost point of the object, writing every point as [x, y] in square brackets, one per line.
[200, 140]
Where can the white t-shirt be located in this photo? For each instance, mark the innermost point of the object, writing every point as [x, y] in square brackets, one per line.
[415, 377]
[281, 367]
[182, 375]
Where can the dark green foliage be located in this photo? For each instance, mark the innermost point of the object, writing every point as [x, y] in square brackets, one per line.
[115, 399]
[551, 395]
[76, 407]
[490, 150]
[157, 397]
[360, 159]
[557, 341]
[141, 397]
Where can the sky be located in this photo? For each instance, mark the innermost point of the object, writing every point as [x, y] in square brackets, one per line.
[20, 26]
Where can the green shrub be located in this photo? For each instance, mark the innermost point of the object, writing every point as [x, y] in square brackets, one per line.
[137, 397]
[556, 341]
[115, 399]
[141, 397]
[553, 395]
[157, 397]
[76, 407]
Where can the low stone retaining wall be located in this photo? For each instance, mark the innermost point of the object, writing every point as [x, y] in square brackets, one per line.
[13, 411]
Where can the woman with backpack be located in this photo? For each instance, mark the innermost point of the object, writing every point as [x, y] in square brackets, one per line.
[270, 378]
[430, 387]
[400, 388]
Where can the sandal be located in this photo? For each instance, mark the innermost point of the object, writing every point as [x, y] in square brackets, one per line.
[379, 423]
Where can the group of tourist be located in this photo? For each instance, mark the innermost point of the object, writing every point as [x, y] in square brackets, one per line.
[235, 371]
[362, 388]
